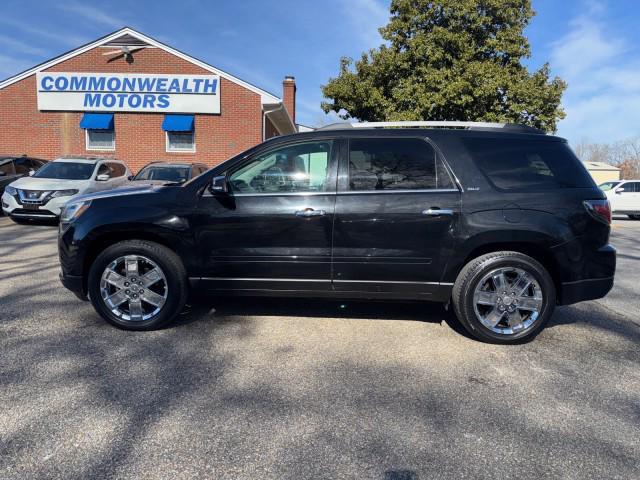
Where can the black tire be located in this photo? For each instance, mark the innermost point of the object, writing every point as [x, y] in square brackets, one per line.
[474, 271]
[166, 259]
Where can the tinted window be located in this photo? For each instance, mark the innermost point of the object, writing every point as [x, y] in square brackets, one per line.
[521, 164]
[164, 173]
[117, 169]
[295, 168]
[6, 166]
[395, 164]
[23, 165]
[66, 171]
[631, 187]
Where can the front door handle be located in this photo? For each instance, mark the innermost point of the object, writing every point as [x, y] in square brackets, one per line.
[310, 212]
[436, 212]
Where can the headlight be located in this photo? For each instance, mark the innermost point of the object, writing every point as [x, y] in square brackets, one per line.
[11, 190]
[72, 211]
[63, 193]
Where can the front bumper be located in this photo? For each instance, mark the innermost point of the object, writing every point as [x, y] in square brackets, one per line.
[75, 284]
[50, 210]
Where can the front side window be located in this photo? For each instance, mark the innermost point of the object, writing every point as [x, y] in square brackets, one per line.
[66, 171]
[23, 166]
[395, 164]
[528, 165]
[295, 168]
[101, 139]
[633, 187]
[117, 169]
[181, 142]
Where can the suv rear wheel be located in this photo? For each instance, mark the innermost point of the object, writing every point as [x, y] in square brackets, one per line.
[504, 297]
[137, 285]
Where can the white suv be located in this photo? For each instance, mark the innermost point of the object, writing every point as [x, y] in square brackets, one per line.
[43, 194]
[624, 197]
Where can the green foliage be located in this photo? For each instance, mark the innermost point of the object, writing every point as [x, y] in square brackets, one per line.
[449, 60]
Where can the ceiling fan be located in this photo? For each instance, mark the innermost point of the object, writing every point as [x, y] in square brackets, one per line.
[125, 51]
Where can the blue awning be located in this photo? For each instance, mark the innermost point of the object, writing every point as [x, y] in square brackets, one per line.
[178, 123]
[97, 121]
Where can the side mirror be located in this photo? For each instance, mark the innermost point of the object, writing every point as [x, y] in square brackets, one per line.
[619, 190]
[130, 177]
[31, 172]
[219, 185]
[102, 178]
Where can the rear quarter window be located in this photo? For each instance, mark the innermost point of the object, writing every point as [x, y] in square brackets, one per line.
[528, 165]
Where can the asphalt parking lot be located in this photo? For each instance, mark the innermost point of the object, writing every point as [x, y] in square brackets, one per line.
[283, 389]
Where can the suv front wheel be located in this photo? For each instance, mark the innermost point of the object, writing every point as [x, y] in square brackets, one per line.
[504, 297]
[137, 285]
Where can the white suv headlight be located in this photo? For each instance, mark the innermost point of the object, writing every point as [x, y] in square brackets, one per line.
[63, 193]
[72, 211]
[11, 190]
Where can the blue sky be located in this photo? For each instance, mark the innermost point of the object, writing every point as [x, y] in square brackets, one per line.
[594, 45]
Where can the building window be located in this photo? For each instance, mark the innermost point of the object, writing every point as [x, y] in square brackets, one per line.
[181, 142]
[100, 139]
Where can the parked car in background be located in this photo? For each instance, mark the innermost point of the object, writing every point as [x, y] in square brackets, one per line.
[624, 196]
[160, 173]
[42, 195]
[501, 221]
[13, 167]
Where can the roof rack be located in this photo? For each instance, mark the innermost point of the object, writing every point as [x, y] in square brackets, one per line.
[512, 127]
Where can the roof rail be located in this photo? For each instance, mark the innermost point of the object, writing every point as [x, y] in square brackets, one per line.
[513, 127]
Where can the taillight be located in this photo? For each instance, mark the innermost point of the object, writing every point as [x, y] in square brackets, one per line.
[599, 209]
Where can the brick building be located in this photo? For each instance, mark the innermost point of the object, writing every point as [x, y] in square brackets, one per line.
[131, 97]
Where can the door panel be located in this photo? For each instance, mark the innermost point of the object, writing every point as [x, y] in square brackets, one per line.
[396, 212]
[274, 230]
[384, 242]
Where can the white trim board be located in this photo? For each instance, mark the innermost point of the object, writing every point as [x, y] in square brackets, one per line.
[265, 96]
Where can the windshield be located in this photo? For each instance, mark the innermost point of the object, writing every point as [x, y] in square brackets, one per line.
[66, 171]
[164, 173]
[607, 186]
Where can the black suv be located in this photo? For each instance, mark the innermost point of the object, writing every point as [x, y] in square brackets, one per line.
[502, 221]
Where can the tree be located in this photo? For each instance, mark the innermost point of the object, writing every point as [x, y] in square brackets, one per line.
[449, 60]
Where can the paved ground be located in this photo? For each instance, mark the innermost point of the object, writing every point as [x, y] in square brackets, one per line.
[262, 389]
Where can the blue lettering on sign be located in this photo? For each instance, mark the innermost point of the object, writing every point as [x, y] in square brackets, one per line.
[113, 84]
[210, 85]
[78, 83]
[47, 83]
[92, 99]
[62, 83]
[96, 84]
[163, 101]
[161, 85]
[175, 86]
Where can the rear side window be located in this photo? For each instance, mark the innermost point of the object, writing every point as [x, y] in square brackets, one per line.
[521, 164]
[395, 164]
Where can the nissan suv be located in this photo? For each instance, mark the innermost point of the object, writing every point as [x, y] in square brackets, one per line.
[501, 221]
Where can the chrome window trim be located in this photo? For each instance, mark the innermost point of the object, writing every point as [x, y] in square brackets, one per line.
[360, 192]
[316, 280]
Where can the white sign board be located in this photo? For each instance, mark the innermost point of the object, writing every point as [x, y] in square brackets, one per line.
[128, 92]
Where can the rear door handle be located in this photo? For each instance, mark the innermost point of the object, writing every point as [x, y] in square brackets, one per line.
[310, 212]
[435, 212]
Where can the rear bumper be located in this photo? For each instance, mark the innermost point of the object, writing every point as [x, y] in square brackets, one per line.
[581, 290]
[75, 284]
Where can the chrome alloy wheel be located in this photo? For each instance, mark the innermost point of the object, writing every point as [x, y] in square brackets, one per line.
[508, 300]
[133, 288]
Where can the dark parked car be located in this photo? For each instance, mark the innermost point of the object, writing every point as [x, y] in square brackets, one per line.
[13, 167]
[160, 173]
[502, 221]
